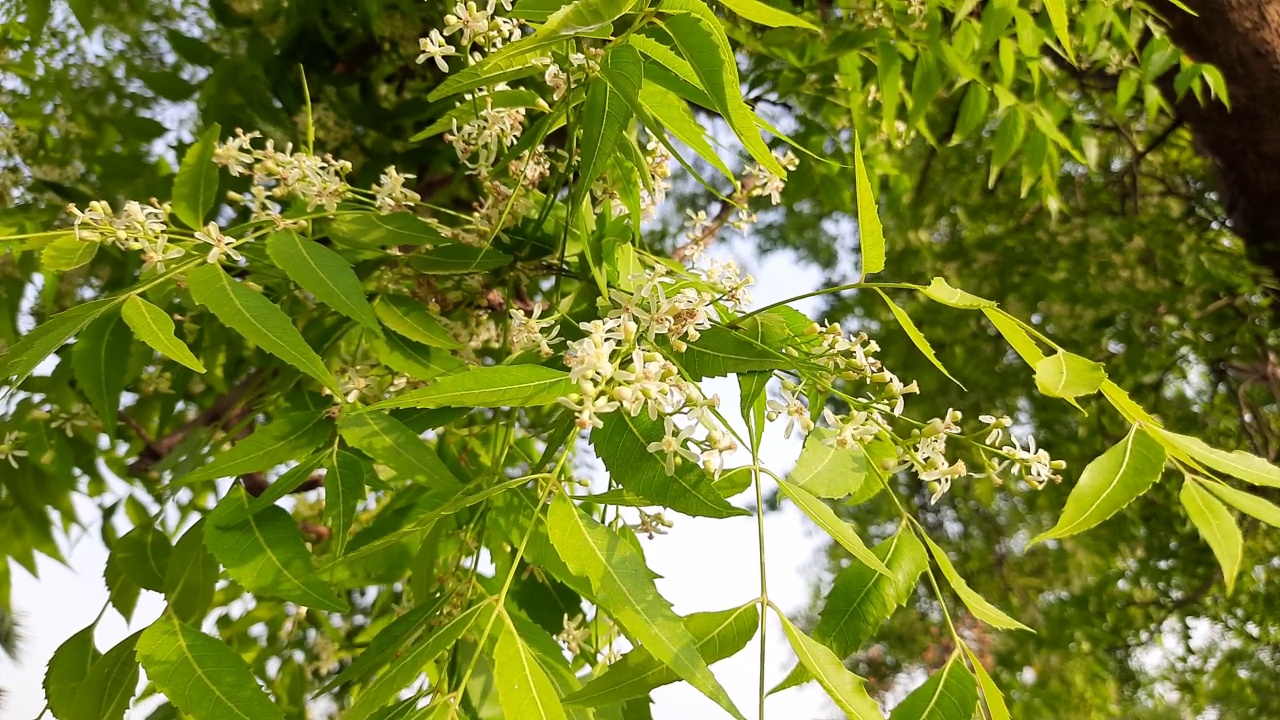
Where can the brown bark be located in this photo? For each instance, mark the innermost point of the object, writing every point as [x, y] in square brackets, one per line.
[1242, 38]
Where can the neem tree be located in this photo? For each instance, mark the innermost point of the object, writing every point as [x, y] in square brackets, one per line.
[438, 372]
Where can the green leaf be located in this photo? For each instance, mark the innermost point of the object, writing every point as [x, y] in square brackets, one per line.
[990, 692]
[344, 485]
[767, 15]
[949, 694]
[623, 446]
[940, 290]
[154, 327]
[257, 319]
[377, 230]
[285, 438]
[495, 68]
[1247, 503]
[110, 684]
[1015, 335]
[99, 361]
[1109, 483]
[624, 588]
[457, 259]
[870, 231]
[122, 591]
[388, 644]
[524, 690]
[410, 318]
[1120, 400]
[861, 599]
[467, 112]
[388, 441]
[605, 116]
[67, 253]
[1240, 464]
[27, 354]
[753, 398]
[1057, 10]
[201, 675]
[1216, 526]
[917, 337]
[1066, 375]
[195, 189]
[266, 554]
[973, 112]
[409, 665]
[847, 690]
[191, 577]
[323, 273]
[978, 605]
[68, 669]
[828, 471]
[718, 635]
[700, 38]
[839, 530]
[279, 488]
[492, 386]
[143, 554]
[413, 359]
[674, 115]
[721, 351]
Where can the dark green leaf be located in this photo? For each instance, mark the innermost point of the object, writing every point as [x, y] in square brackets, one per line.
[195, 189]
[280, 487]
[949, 694]
[457, 259]
[605, 116]
[386, 440]
[143, 554]
[46, 338]
[413, 359]
[377, 230]
[192, 576]
[99, 361]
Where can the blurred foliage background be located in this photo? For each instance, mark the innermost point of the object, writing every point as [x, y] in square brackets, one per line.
[1065, 182]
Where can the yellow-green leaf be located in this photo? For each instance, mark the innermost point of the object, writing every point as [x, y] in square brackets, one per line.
[1216, 526]
[1125, 471]
[323, 273]
[870, 231]
[847, 690]
[941, 291]
[767, 15]
[839, 530]
[1067, 375]
[67, 253]
[917, 337]
[978, 605]
[1240, 464]
[1247, 503]
[524, 690]
[949, 694]
[155, 328]
[411, 319]
[991, 696]
[490, 386]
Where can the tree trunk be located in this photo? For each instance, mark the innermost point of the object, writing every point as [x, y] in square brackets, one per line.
[1242, 38]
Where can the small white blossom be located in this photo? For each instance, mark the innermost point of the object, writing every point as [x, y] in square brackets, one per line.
[673, 443]
[212, 235]
[11, 447]
[435, 47]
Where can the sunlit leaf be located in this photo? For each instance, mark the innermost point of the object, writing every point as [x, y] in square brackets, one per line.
[1067, 375]
[388, 441]
[846, 690]
[67, 253]
[411, 319]
[839, 530]
[991, 696]
[266, 554]
[378, 230]
[767, 15]
[827, 471]
[344, 490]
[1240, 464]
[491, 386]
[718, 635]
[917, 337]
[257, 319]
[201, 675]
[941, 291]
[978, 605]
[721, 351]
[155, 328]
[870, 231]
[524, 689]
[1247, 503]
[624, 588]
[1110, 482]
[323, 273]
[108, 688]
[1216, 526]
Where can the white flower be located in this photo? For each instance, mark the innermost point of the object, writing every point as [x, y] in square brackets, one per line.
[435, 47]
[673, 444]
[557, 80]
[68, 421]
[236, 154]
[212, 235]
[997, 426]
[390, 194]
[11, 449]
[855, 428]
[797, 414]
[468, 19]
[526, 331]
[590, 359]
[154, 255]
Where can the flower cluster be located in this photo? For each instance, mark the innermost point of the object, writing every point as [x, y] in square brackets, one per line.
[319, 181]
[478, 31]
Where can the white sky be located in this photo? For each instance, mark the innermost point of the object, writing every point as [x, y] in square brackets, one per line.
[705, 565]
